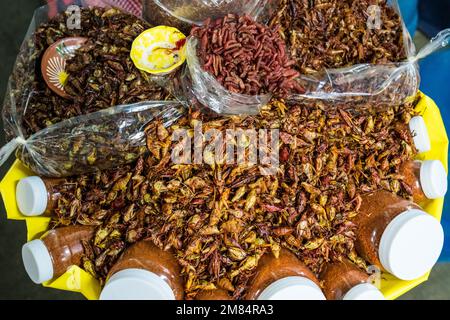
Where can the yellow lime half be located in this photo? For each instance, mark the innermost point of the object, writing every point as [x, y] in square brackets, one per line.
[159, 50]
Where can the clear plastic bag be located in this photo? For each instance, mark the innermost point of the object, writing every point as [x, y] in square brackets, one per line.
[365, 83]
[185, 13]
[72, 143]
[194, 85]
[382, 83]
[371, 83]
[92, 142]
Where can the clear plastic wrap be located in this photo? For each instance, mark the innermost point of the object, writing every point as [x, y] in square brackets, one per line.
[185, 13]
[92, 142]
[377, 84]
[197, 85]
[110, 135]
[370, 83]
[383, 83]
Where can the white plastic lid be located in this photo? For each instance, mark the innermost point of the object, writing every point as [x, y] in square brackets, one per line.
[136, 284]
[31, 196]
[433, 179]
[364, 291]
[37, 261]
[411, 244]
[292, 288]
[420, 135]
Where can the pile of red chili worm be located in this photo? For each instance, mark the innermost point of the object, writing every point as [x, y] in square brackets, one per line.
[245, 57]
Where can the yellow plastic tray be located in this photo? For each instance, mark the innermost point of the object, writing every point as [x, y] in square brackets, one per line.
[76, 279]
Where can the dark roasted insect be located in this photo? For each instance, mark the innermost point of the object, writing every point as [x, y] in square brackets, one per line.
[327, 34]
[221, 218]
[101, 74]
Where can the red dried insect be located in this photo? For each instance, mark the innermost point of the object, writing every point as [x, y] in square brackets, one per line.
[245, 56]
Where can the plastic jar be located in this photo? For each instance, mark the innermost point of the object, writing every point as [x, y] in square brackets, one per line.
[144, 272]
[343, 280]
[283, 278]
[397, 235]
[49, 257]
[216, 294]
[36, 196]
[419, 131]
[426, 179]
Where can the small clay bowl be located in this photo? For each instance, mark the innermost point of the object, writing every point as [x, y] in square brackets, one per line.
[53, 63]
